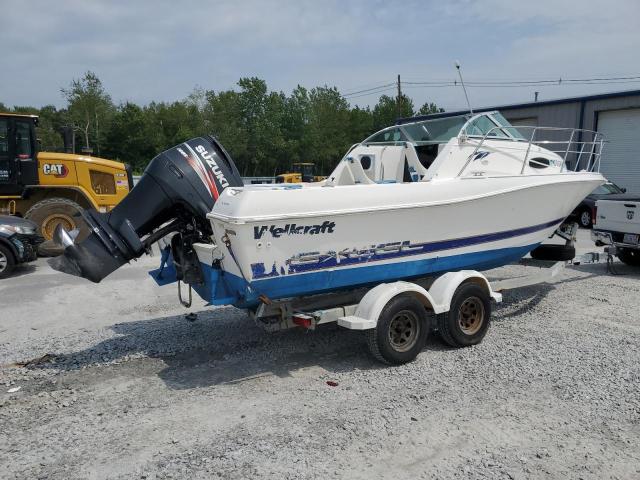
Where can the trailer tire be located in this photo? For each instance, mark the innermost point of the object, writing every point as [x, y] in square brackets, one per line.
[467, 321]
[401, 331]
[629, 257]
[555, 253]
[49, 213]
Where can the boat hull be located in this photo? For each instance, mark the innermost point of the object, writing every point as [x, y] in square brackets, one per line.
[426, 229]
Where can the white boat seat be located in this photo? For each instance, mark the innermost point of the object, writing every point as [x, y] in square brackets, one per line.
[391, 166]
[416, 169]
[380, 164]
[358, 173]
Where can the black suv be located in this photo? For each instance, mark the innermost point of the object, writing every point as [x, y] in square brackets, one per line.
[19, 240]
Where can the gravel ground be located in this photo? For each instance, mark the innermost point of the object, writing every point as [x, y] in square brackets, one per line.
[130, 389]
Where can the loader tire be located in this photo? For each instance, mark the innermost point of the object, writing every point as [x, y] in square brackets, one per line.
[51, 212]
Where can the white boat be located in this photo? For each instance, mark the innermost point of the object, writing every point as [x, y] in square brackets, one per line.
[420, 198]
[416, 199]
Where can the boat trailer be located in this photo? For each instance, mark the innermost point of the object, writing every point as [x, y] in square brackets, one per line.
[457, 304]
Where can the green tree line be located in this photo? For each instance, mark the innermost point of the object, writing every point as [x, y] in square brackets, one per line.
[265, 131]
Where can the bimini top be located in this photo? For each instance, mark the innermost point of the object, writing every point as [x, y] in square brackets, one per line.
[441, 130]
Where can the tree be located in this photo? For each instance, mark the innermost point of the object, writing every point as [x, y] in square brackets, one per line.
[360, 124]
[428, 108]
[264, 131]
[89, 108]
[129, 137]
[386, 111]
[223, 118]
[50, 121]
[295, 128]
[328, 127]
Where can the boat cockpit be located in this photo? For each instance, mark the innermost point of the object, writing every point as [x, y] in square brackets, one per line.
[406, 152]
[483, 144]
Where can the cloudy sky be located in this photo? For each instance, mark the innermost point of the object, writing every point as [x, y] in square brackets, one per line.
[159, 50]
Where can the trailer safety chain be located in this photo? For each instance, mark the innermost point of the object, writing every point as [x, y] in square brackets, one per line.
[610, 268]
[611, 251]
[186, 304]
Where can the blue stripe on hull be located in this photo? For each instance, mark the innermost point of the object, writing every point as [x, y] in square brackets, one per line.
[222, 288]
[329, 260]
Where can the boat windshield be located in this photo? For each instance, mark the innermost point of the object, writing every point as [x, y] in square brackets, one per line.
[441, 130]
[507, 128]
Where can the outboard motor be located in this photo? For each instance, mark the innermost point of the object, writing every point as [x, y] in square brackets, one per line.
[175, 193]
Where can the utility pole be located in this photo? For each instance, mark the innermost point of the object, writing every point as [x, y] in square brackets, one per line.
[398, 108]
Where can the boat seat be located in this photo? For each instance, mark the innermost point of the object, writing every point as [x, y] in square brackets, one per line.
[413, 165]
[358, 173]
[381, 164]
[392, 164]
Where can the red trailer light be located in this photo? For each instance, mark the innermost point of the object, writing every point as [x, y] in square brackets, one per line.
[302, 320]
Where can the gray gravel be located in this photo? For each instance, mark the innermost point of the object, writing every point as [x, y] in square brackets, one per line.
[130, 389]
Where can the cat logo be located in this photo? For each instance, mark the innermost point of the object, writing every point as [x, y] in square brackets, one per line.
[56, 169]
[630, 214]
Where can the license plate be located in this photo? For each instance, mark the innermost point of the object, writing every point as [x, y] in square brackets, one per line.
[631, 238]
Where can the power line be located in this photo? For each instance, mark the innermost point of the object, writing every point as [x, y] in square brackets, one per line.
[391, 87]
[519, 85]
[386, 87]
[364, 86]
[368, 89]
[555, 81]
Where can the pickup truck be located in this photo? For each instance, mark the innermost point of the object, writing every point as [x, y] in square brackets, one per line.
[617, 223]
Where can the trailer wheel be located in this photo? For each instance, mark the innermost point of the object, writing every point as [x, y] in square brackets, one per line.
[401, 331]
[555, 253]
[629, 257]
[467, 321]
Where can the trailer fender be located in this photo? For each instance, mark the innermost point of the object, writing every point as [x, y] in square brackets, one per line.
[444, 287]
[371, 306]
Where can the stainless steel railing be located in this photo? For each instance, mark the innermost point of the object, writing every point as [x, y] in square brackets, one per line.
[582, 145]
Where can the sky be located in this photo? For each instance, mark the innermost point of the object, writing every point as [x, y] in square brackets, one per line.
[157, 50]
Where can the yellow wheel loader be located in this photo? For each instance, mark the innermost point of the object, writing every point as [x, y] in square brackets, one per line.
[301, 172]
[53, 188]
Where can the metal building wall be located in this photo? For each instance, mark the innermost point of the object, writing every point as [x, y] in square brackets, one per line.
[621, 155]
[569, 115]
[557, 115]
[592, 107]
[564, 115]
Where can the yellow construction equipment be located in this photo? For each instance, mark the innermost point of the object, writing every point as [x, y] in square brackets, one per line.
[301, 172]
[53, 188]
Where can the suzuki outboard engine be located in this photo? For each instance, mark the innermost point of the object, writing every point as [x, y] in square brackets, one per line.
[175, 193]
